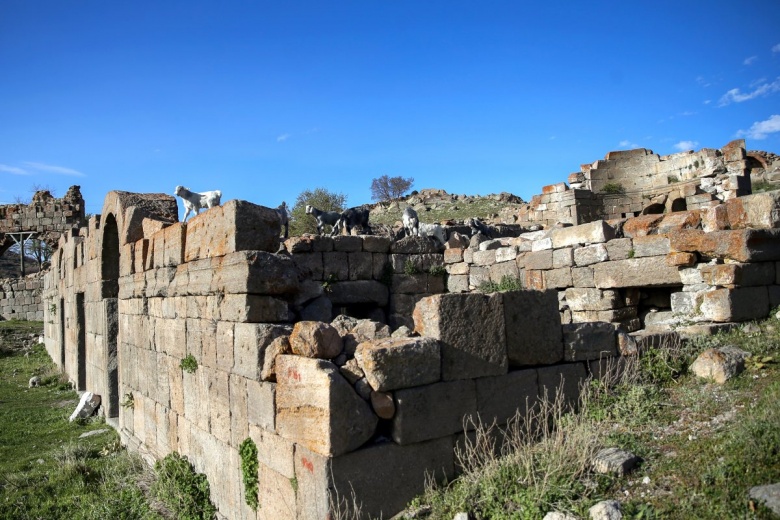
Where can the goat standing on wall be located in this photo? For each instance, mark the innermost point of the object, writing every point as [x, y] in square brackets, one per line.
[411, 222]
[196, 201]
[323, 217]
[351, 218]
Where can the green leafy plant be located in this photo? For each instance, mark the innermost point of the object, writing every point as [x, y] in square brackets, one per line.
[507, 283]
[189, 364]
[613, 188]
[128, 401]
[671, 179]
[294, 484]
[327, 284]
[437, 270]
[631, 253]
[182, 489]
[249, 469]
[760, 186]
[410, 268]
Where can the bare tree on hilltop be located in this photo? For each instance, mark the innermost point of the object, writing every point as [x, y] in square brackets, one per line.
[386, 188]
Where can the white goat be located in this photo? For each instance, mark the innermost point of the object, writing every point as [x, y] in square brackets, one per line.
[324, 217]
[433, 230]
[194, 202]
[411, 222]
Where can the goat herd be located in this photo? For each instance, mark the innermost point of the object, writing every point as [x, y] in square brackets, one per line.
[346, 220]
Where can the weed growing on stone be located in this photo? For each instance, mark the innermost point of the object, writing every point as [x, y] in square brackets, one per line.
[613, 188]
[189, 364]
[249, 468]
[410, 268]
[182, 489]
[507, 283]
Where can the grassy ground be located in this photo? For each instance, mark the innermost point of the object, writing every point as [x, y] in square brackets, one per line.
[703, 445]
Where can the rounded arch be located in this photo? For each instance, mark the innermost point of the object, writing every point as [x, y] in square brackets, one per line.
[109, 258]
[109, 276]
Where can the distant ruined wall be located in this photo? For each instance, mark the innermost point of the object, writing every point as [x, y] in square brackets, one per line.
[20, 298]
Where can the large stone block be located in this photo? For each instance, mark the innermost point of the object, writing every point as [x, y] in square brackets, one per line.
[358, 291]
[237, 225]
[740, 304]
[561, 381]
[253, 308]
[261, 404]
[591, 254]
[274, 451]
[471, 330]
[591, 233]
[651, 245]
[635, 272]
[746, 275]
[433, 411]
[250, 341]
[584, 299]
[318, 408]
[315, 339]
[255, 272]
[759, 210]
[393, 363]
[500, 398]
[742, 245]
[533, 327]
[588, 341]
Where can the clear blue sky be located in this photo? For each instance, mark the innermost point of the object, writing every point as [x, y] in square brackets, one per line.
[265, 99]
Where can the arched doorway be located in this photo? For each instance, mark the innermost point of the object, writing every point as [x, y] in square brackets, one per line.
[109, 276]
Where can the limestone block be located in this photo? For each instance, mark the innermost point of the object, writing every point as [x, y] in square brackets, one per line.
[562, 381]
[358, 291]
[619, 248]
[651, 245]
[250, 342]
[361, 264]
[414, 245]
[715, 218]
[740, 304]
[253, 308]
[174, 237]
[170, 337]
[470, 328]
[539, 260]
[591, 233]
[433, 411]
[453, 255]
[280, 345]
[557, 278]
[768, 495]
[274, 451]
[347, 243]
[582, 299]
[478, 276]
[224, 345]
[239, 418]
[582, 277]
[677, 259]
[383, 405]
[318, 408]
[614, 461]
[255, 272]
[315, 339]
[746, 275]
[87, 405]
[563, 257]
[506, 254]
[743, 245]
[484, 257]
[759, 210]
[364, 330]
[310, 264]
[500, 398]
[278, 495]
[720, 364]
[622, 315]
[587, 341]
[392, 363]
[410, 283]
[261, 397]
[376, 243]
[687, 303]
[533, 279]
[459, 268]
[634, 272]
[235, 226]
[458, 283]
[591, 254]
[218, 392]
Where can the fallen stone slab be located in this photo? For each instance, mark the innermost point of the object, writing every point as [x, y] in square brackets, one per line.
[769, 495]
[606, 510]
[88, 403]
[720, 364]
[393, 363]
[315, 339]
[614, 461]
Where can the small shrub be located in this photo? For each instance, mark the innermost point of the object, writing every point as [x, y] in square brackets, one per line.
[631, 253]
[183, 490]
[437, 270]
[507, 283]
[249, 469]
[410, 268]
[189, 364]
[128, 401]
[329, 281]
[671, 179]
[613, 188]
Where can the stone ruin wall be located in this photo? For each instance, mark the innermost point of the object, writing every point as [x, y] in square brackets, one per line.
[634, 182]
[134, 293]
[20, 298]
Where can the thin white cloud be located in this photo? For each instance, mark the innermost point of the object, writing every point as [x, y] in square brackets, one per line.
[282, 138]
[625, 143]
[50, 168]
[13, 170]
[776, 48]
[688, 113]
[736, 96]
[750, 60]
[761, 129]
[686, 145]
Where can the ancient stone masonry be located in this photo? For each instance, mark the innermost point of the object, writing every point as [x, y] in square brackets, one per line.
[633, 182]
[46, 216]
[358, 364]
[20, 298]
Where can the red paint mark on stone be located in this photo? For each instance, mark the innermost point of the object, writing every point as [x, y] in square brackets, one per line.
[307, 464]
[291, 372]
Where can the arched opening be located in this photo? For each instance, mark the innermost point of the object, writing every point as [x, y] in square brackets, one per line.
[653, 209]
[678, 205]
[109, 264]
